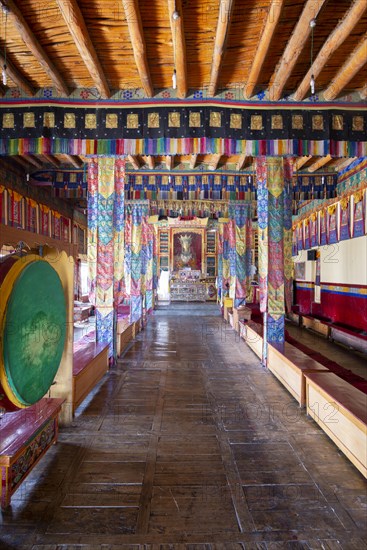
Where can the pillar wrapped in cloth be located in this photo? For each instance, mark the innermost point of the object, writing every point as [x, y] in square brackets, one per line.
[274, 176]
[106, 179]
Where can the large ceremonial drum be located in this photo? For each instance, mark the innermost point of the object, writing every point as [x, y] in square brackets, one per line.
[32, 329]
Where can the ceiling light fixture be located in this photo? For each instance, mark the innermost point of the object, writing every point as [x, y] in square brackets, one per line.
[174, 79]
[312, 80]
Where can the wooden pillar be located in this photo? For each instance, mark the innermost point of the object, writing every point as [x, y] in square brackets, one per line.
[63, 264]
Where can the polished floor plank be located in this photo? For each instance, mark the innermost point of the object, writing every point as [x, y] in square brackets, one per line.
[189, 444]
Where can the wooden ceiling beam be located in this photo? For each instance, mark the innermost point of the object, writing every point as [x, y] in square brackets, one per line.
[34, 46]
[214, 162]
[52, 160]
[224, 22]
[16, 76]
[294, 48]
[133, 159]
[266, 36]
[179, 46]
[35, 161]
[343, 163]
[319, 163]
[335, 39]
[170, 162]
[363, 91]
[149, 160]
[301, 161]
[75, 161]
[241, 162]
[193, 161]
[74, 20]
[133, 19]
[9, 163]
[353, 64]
[21, 161]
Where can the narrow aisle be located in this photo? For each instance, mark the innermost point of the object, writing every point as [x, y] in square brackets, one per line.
[190, 444]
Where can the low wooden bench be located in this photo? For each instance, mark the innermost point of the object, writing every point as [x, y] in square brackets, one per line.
[341, 411]
[25, 436]
[291, 367]
[90, 364]
[137, 327]
[317, 324]
[124, 335]
[349, 337]
[252, 332]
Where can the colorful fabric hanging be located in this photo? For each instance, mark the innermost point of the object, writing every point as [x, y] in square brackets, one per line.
[2, 204]
[241, 214]
[44, 220]
[332, 213]
[220, 276]
[359, 202]
[323, 228]
[106, 242]
[31, 215]
[287, 232]
[345, 219]
[275, 245]
[15, 201]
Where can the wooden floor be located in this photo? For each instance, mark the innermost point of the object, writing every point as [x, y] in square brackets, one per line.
[189, 444]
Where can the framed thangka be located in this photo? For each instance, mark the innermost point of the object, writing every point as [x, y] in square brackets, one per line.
[332, 211]
[344, 219]
[300, 271]
[359, 202]
[187, 249]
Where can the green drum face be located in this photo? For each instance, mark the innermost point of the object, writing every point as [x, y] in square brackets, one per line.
[33, 333]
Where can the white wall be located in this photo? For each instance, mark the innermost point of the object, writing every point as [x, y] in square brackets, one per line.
[341, 263]
[345, 262]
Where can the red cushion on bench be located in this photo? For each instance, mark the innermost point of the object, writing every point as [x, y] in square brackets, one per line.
[84, 355]
[17, 428]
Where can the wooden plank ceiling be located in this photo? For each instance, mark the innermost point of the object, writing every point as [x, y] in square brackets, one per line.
[213, 45]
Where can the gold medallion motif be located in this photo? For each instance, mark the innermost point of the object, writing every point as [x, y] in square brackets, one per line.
[277, 122]
[28, 120]
[8, 120]
[297, 122]
[69, 120]
[317, 122]
[236, 121]
[132, 121]
[174, 120]
[90, 121]
[153, 120]
[111, 120]
[194, 120]
[256, 122]
[215, 119]
[338, 122]
[357, 124]
[49, 120]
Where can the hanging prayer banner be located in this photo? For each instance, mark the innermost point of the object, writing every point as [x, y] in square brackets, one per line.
[359, 201]
[344, 219]
[332, 217]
